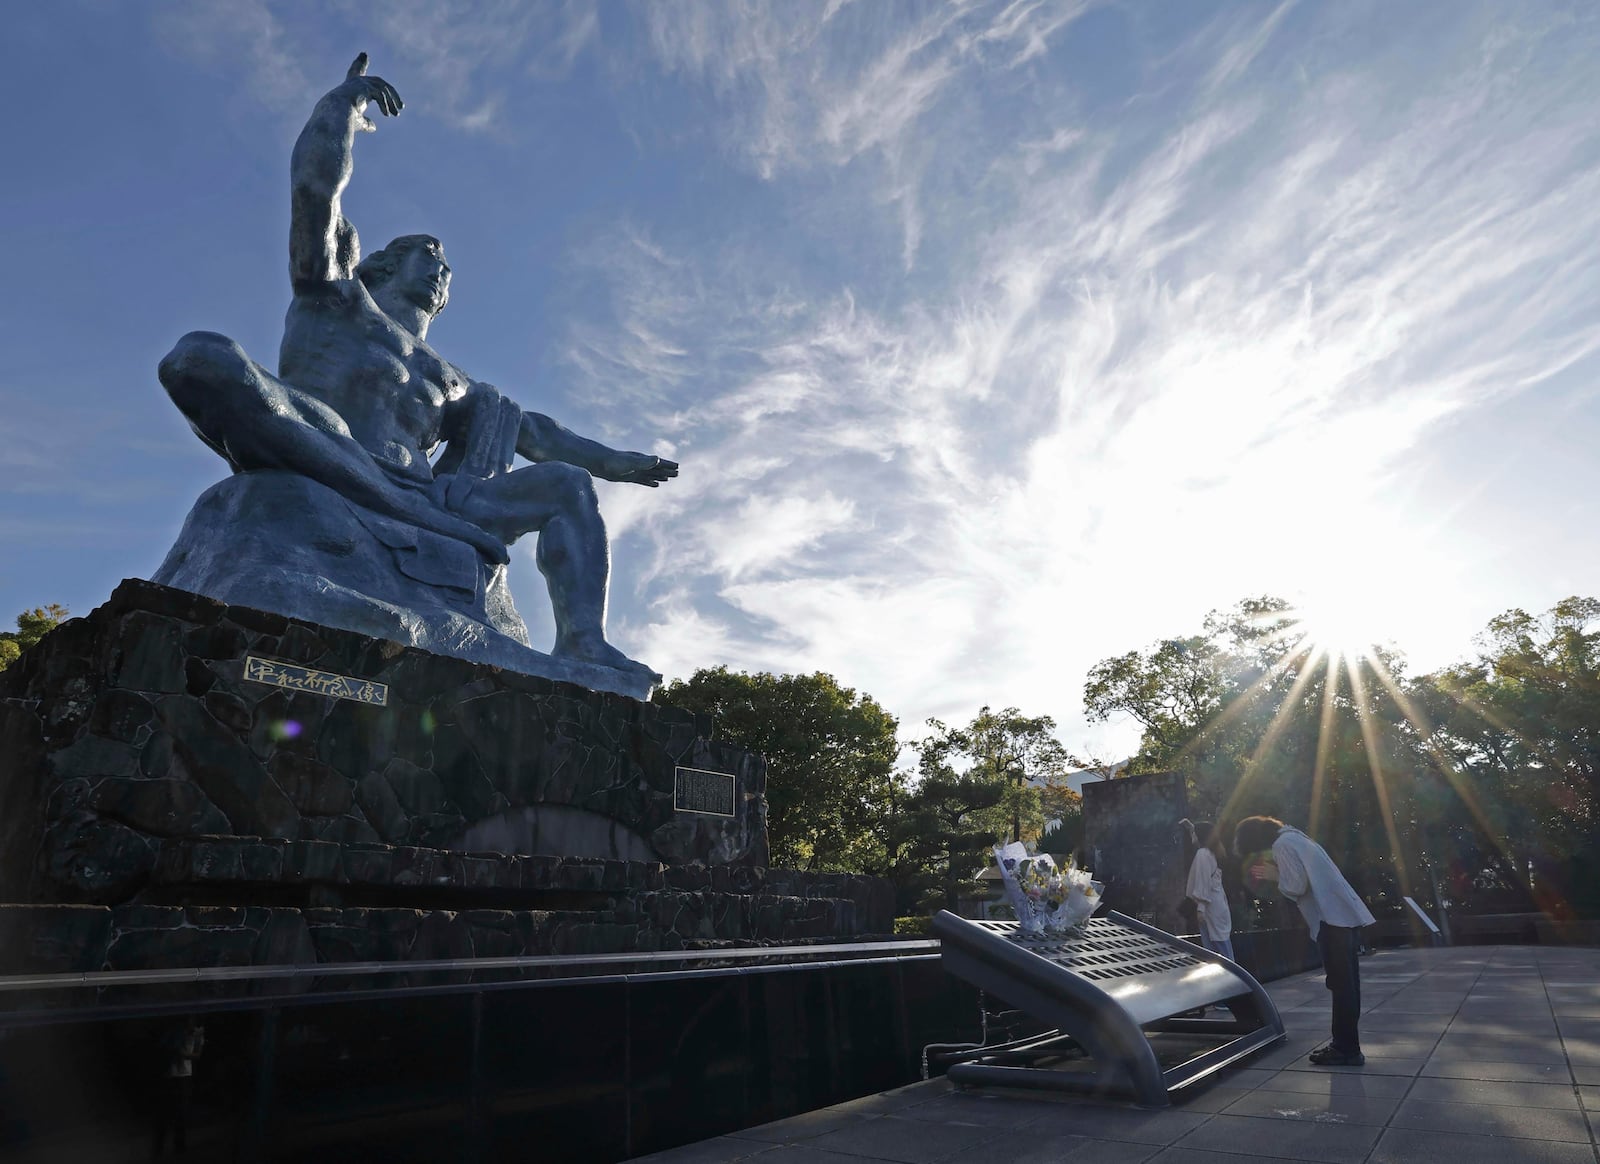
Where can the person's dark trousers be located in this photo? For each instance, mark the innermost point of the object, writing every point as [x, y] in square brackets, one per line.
[1341, 961]
[172, 1114]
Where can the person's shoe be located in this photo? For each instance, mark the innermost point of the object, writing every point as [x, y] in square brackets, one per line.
[1331, 1056]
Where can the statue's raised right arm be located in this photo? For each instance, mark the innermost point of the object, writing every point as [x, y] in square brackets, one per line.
[301, 421]
[323, 246]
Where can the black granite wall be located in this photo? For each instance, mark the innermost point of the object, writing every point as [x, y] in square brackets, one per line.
[573, 1071]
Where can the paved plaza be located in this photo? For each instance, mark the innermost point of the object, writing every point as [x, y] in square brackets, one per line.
[1479, 1053]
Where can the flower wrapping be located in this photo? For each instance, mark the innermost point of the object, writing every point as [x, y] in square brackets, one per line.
[1047, 899]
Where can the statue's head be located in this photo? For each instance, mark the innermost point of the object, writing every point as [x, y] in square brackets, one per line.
[412, 265]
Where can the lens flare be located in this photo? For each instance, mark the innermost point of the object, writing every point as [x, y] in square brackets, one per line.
[1339, 642]
[1346, 624]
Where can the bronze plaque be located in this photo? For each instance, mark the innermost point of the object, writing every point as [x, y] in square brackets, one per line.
[696, 790]
[277, 674]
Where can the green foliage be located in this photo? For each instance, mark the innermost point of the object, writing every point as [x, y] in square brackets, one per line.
[32, 625]
[1188, 694]
[916, 926]
[1172, 690]
[942, 838]
[978, 784]
[1516, 733]
[1018, 752]
[1261, 720]
[831, 780]
[836, 802]
[1441, 786]
[1064, 809]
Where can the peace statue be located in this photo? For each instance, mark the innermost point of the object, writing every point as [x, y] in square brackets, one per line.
[335, 512]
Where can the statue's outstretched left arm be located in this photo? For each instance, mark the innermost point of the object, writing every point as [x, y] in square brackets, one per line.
[542, 439]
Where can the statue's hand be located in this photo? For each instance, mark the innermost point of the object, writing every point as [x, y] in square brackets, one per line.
[640, 469]
[362, 90]
[492, 548]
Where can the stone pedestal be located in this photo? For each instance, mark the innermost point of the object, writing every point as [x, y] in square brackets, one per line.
[303, 793]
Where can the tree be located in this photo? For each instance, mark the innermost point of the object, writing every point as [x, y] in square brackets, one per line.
[946, 836]
[32, 625]
[1063, 813]
[1172, 690]
[977, 785]
[831, 779]
[1518, 731]
[1260, 718]
[1200, 699]
[1018, 752]
[1449, 785]
[1531, 701]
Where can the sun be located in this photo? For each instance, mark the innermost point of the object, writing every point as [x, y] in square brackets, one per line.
[1345, 623]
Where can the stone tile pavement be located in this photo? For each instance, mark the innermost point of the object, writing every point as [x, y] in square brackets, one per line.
[1479, 1053]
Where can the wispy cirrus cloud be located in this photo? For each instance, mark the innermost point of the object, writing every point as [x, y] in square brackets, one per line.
[809, 84]
[246, 38]
[1054, 324]
[768, 535]
[1191, 347]
[654, 298]
[469, 54]
[1238, 49]
[462, 50]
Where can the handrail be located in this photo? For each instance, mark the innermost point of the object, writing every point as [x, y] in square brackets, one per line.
[72, 980]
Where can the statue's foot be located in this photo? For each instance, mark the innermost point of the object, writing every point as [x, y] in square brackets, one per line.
[594, 649]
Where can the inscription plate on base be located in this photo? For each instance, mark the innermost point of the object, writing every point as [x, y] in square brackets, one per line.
[696, 790]
[277, 674]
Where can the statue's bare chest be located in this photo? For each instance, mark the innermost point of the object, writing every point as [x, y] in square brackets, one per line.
[380, 378]
[410, 371]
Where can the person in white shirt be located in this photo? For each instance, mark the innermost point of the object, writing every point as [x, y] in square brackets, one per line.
[1205, 886]
[1334, 914]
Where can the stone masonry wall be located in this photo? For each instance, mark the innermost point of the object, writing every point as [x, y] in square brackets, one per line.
[134, 728]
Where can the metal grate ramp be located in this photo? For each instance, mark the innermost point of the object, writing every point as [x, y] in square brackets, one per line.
[1106, 990]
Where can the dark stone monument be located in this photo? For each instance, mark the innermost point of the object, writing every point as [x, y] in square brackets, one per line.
[1134, 844]
[321, 735]
[348, 749]
[194, 783]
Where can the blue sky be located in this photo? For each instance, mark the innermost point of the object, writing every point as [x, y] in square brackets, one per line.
[993, 338]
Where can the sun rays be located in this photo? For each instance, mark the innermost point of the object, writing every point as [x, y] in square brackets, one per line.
[1338, 643]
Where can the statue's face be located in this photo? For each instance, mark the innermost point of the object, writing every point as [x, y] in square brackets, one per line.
[424, 277]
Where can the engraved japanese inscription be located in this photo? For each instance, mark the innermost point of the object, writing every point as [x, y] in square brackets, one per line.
[697, 790]
[326, 683]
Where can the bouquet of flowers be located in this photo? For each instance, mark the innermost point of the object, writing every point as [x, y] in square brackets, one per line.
[1046, 899]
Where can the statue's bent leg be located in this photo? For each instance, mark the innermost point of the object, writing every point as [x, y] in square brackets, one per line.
[256, 421]
[558, 501]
